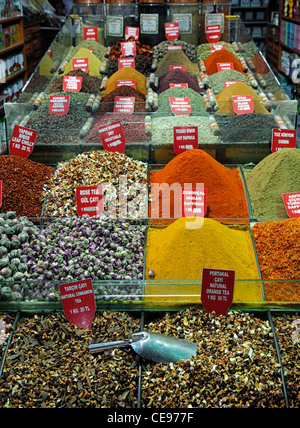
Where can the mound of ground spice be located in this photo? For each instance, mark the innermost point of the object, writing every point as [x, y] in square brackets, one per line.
[177, 76]
[225, 192]
[278, 251]
[275, 175]
[23, 184]
[176, 57]
[107, 102]
[89, 84]
[127, 73]
[220, 57]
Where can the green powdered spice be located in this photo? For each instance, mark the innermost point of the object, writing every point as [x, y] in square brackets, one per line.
[275, 175]
[176, 57]
[163, 129]
[217, 80]
[196, 100]
[204, 50]
[98, 49]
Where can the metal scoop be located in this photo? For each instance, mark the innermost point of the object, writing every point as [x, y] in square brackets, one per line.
[153, 346]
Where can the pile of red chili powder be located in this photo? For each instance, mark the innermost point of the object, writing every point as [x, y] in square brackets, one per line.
[225, 192]
[22, 185]
[278, 251]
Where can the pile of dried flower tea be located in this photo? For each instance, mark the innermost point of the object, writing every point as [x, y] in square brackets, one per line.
[95, 168]
[236, 364]
[49, 364]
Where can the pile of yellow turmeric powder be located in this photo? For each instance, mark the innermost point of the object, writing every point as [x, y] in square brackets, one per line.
[181, 250]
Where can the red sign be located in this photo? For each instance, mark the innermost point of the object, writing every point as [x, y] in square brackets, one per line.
[126, 62]
[177, 67]
[213, 33]
[112, 137]
[243, 104]
[124, 104]
[231, 82]
[128, 48]
[80, 64]
[283, 139]
[194, 202]
[0, 193]
[180, 106]
[130, 83]
[178, 85]
[185, 138]
[292, 204]
[72, 83]
[90, 33]
[215, 48]
[225, 66]
[79, 302]
[59, 104]
[172, 30]
[217, 290]
[132, 32]
[89, 200]
[22, 141]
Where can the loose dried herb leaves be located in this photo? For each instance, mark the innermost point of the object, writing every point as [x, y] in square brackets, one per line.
[49, 364]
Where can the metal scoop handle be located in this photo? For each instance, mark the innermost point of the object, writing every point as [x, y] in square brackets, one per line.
[100, 347]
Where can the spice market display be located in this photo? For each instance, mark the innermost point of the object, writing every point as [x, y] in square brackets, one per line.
[150, 182]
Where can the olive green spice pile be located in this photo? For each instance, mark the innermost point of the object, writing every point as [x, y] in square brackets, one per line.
[204, 50]
[196, 100]
[217, 80]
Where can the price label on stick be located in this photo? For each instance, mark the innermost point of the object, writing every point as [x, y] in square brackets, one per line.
[78, 302]
[89, 200]
[180, 106]
[128, 48]
[217, 290]
[91, 33]
[172, 30]
[59, 104]
[185, 138]
[80, 64]
[112, 137]
[126, 62]
[72, 83]
[283, 139]
[194, 202]
[243, 104]
[22, 141]
[213, 33]
[124, 104]
[132, 32]
[292, 204]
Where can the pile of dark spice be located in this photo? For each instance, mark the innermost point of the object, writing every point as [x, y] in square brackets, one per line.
[278, 251]
[23, 182]
[253, 127]
[236, 364]
[37, 83]
[107, 102]
[57, 129]
[287, 332]
[142, 64]
[89, 84]
[49, 365]
[133, 127]
[160, 50]
[177, 76]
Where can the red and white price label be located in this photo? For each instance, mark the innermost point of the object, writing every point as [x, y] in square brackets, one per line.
[284, 139]
[185, 138]
[217, 290]
[215, 48]
[194, 202]
[22, 141]
[112, 137]
[89, 200]
[130, 83]
[224, 66]
[292, 204]
[1, 193]
[243, 104]
[78, 302]
[177, 67]
[132, 32]
[90, 33]
[59, 104]
[178, 85]
[124, 104]
[213, 33]
[128, 48]
[175, 48]
[72, 83]
[172, 30]
[80, 64]
[126, 62]
[231, 82]
[180, 106]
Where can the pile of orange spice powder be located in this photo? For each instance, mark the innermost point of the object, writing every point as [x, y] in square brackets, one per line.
[278, 250]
